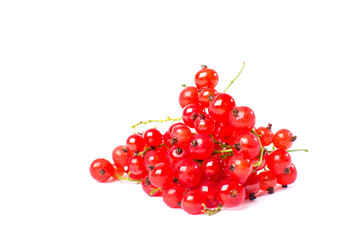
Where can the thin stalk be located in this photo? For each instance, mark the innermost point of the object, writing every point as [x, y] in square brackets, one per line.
[235, 78]
[168, 119]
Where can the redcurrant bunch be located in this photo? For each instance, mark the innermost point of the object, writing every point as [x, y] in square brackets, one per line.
[215, 158]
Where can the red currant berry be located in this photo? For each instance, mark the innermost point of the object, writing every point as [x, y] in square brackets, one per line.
[283, 139]
[152, 137]
[209, 188]
[118, 171]
[206, 95]
[135, 143]
[247, 144]
[177, 153]
[220, 107]
[188, 173]
[120, 156]
[223, 132]
[136, 165]
[173, 195]
[201, 146]
[267, 181]
[206, 77]
[148, 187]
[152, 158]
[242, 118]
[266, 135]
[239, 167]
[252, 186]
[190, 113]
[213, 168]
[162, 175]
[279, 161]
[101, 170]
[187, 96]
[204, 124]
[192, 201]
[287, 179]
[230, 193]
[180, 135]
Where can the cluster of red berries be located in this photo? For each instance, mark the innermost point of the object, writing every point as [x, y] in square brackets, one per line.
[215, 158]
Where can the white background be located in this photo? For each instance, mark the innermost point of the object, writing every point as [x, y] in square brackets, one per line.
[75, 75]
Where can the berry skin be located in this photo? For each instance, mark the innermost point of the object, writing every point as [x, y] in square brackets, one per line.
[154, 157]
[120, 156]
[188, 95]
[230, 193]
[242, 118]
[152, 137]
[239, 167]
[148, 187]
[101, 170]
[177, 153]
[135, 143]
[188, 173]
[209, 188]
[252, 186]
[201, 146]
[220, 107]
[204, 124]
[267, 181]
[213, 168]
[206, 77]
[162, 175]
[283, 139]
[266, 135]
[206, 95]
[287, 179]
[190, 113]
[180, 135]
[173, 195]
[279, 161]
[136, 166]
[247, 144]
[192, 201]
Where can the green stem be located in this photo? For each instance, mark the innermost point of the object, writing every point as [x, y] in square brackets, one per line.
[121, 178]
[294, 150]
[223, 151]
[154, 191]
[235, 77]
[209, 211]
[156, 121]
[220, 143]
[260, 158]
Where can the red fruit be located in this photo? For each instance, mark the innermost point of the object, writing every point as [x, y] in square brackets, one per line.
[283, 139]
[223, 132]
[220, 107]
[263, 162]
[201, 146]
[120, 156]
[213, 168]
[247, 144]
[239, 167]
[242, 118]
[192, 201]
[204, 124]
[136, 165]
[209, 188]
[287, 179]
[152, 137]
[135, 143]
[118, 171]
[188, 95]
[173, 195]
[267, 181]
[266, 135]
[148, 187]
[152, 158]
[252, 186]
[206, 95]
[230, 193]
[162, 175]
[101, 170]
[279, 161]
[180, 135]
[188, 173]
[206, 77]
[190, 113]
[177, 153]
